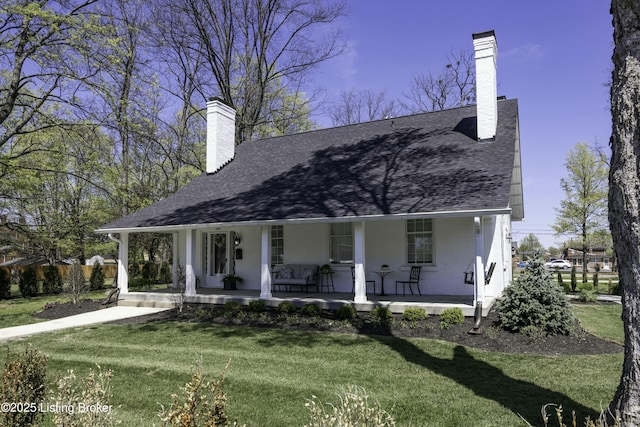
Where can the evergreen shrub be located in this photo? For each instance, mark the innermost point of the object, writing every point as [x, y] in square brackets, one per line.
[286, 307]
[257, 306]
[451, 316]
[165, 276]
[231, 307]
[574, 280]
[535, 300]
[346, 312]
[413, 314]
[586, 286]
[52, 283]
[311, 309]
[5, 284]
[382, 316]
[150, 271]
[96, 280]
[28, 283]
[560, 282]
[139, 283]
[613, 289]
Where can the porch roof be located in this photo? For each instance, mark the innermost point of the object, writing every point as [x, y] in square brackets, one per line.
[428, 164]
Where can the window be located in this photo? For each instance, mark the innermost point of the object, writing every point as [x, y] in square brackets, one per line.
[419, 241]
[341, 243]
[277, 244]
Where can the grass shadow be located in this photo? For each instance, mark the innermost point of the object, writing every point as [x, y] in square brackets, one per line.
[521, 397]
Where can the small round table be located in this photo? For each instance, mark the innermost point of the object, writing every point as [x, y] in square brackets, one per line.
[382, 273]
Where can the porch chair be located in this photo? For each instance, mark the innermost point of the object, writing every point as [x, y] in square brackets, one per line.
[414, 279]
[353, 281]
[468, 275]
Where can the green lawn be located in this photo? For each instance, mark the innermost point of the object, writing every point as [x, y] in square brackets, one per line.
[602, 320]
[272, 373]
[18, 311]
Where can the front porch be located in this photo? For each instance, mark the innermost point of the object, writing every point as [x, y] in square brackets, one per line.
[433, 304]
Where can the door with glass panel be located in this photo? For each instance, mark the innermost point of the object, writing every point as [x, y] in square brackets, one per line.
[218, 257]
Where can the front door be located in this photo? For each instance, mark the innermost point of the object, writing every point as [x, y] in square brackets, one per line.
[219, 252]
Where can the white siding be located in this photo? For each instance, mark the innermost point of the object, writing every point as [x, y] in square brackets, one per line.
[385, 243]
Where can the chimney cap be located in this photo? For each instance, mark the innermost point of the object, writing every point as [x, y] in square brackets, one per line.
[484, 34]
[218, 99]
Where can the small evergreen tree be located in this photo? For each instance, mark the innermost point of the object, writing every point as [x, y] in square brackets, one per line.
[165, 275]
[5, 284]
[534, 301]
[574, 280]
[560, 279]
[52, 280]
[28, 282]
[150, 272]
[96, 280]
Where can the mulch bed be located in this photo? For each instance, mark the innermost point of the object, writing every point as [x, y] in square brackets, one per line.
[492, 338]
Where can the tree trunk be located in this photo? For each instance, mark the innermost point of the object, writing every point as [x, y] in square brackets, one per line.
[624, 196]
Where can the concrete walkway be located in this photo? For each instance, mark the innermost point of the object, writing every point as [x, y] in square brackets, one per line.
[90, 318]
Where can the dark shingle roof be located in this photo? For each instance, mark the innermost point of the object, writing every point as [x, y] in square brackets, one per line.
[423, 163]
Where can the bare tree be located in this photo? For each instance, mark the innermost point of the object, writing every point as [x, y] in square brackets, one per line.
[624, 196]
[251, 46]
[182, 77]
[124, 99]
[453, 87]
[361, 106]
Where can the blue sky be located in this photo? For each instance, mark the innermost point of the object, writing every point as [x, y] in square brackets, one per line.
[553, 56]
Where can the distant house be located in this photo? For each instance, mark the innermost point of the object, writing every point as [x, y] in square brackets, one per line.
[597, 257]
[437, 190]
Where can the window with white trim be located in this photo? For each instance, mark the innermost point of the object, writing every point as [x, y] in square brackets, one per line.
[277, 244]
[341, 243]
[420, 241]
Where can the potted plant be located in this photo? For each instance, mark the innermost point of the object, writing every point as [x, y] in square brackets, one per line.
[326, 269]
[230, 281]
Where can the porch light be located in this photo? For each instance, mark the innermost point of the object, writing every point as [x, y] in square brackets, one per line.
[236, 238]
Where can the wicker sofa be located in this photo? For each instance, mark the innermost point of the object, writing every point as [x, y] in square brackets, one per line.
[295, 276]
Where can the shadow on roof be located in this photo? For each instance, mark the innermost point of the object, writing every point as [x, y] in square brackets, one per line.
[405, 171]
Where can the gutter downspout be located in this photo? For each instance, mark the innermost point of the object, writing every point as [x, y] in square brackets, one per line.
[479, 277]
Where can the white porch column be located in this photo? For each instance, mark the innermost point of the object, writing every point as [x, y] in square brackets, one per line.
[265, 270]
[479, 263]
[174, 265]
[123, 263]
[359, 260]
[190, 260]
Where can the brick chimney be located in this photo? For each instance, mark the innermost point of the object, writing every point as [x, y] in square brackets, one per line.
[486, 53]
[221, 131]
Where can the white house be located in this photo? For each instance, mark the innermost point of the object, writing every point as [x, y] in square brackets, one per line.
[437, 190]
